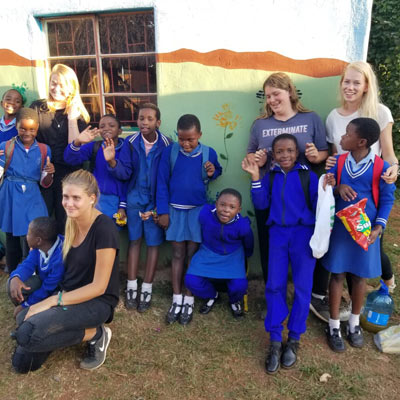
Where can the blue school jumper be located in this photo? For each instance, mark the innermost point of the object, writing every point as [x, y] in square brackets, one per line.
[182, 192]
[50, 269]
[141, 173]
[291, 225]
[113, 191]
[20, 198]
[221, 255]
[7, 131]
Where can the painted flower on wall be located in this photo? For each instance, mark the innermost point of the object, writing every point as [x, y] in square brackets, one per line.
[226, 120]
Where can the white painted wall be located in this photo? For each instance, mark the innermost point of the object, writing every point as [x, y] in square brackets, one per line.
[297, 29]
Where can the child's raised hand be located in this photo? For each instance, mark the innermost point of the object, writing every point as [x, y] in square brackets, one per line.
[249, 165]
[329, 179]
[16, 286]
[330, 161]
[311, 152]
[346, 192]
[163, 221]
[49, 167]
[260, 157]
[210, 169]
[87, 135]
[375, 232]
[109, 152]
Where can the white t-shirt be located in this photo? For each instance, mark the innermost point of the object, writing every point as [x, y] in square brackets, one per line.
[336, 126]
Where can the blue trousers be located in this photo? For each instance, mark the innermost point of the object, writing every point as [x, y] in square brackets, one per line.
[204, 287]
[289, 244]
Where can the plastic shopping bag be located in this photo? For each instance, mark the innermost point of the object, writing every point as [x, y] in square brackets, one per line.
[388, 340]
[325, 216]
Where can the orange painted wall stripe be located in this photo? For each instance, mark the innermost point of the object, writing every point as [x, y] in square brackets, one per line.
[267, 61]
[8, 57]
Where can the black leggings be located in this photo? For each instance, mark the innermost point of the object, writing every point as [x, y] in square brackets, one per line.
[16, 250]
[263, 240]
[321, 275]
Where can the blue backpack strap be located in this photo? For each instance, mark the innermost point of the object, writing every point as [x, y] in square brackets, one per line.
[174, 155]
[205, 156]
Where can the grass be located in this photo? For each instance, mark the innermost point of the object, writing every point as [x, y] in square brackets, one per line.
[214, 357]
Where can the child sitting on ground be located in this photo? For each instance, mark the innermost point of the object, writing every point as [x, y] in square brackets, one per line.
[11, 102]
[138, 164]
[183, 175]
[292, 200]
[37, 277]
[344, 254]
[227, 240]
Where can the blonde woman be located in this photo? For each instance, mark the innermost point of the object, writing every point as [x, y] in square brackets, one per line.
[359, 97]
[88, 292]
[62, 116]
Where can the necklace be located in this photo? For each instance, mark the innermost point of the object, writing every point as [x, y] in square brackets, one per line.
[59, 123]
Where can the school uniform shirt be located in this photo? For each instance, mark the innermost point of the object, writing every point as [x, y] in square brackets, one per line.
[20, 197]
[49, 267]
[286, 200]
[81, 261]
[108, 184]
[7, 132]
[183, 188]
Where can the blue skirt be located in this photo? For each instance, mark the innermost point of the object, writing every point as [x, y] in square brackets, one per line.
[184, 225]
[108, 204]
[209, 264]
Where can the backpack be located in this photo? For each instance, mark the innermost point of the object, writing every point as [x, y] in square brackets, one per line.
[304, 175]
[9, 151]
[376, 174]
[205, 154]
[92, 162]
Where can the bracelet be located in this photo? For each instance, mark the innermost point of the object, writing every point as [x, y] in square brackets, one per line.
[60, 302]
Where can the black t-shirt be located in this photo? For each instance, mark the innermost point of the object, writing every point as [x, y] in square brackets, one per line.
[53, 130]
[80, 262]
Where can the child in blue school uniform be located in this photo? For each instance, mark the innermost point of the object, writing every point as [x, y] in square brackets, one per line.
[25, 163]
[227, 241]
[138, 164]
[112, 191]
[183, 175]
[291, 224]
[11, 102]
[38, 276]
[345, 256]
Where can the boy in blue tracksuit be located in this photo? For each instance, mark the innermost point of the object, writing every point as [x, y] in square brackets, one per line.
[292, 204]
[138, 164]
[37, 277]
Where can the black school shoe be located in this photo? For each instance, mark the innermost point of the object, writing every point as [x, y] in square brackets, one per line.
[209, 304]
[173, 316]
[335, 341]
[131, 302]
[289, 355]
[185, 316]
[144, 304]
[273, 360]
[355, 339]
[237, 310]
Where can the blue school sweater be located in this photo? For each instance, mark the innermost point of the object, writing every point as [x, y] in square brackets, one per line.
[50, 270]
[128, 164]
[225, 238]
[286, 201]
[7, 131]
[184, 188]
[75, 155]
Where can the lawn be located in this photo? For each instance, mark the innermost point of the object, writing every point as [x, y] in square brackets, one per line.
[214, 357]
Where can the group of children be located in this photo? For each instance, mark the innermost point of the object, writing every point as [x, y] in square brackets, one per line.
[160, 187]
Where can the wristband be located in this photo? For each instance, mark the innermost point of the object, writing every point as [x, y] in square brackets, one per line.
[60, 302]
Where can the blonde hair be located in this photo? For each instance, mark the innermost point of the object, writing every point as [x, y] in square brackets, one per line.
[280, 80]
[90, 84]
[70, 82]
[370, 99]
[88, 183]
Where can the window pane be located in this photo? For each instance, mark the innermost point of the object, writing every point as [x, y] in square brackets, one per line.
[127, 107]
[131, 74]
[127, 33]
[70, 37]
[94, 107]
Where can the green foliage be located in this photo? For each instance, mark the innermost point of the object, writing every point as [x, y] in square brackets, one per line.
[384, 55]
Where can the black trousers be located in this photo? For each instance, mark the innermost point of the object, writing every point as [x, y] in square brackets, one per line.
[16, 250]
[263, 240]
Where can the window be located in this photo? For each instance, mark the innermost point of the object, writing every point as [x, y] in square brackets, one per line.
[113, 56]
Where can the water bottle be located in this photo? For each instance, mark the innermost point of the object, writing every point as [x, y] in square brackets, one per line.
[377, 310]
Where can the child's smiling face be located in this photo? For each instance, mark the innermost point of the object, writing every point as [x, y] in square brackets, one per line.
[148, 123]
[188, 139]
[27, 131]
[11, 103]
[109, 128]
[227, 207]
[285, 153]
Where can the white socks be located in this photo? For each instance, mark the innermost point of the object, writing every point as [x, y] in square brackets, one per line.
[317, 296]
[177, 298]
[354, 320]
[132, 285]
[190, 301]
[334, 324]
[146, 287]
